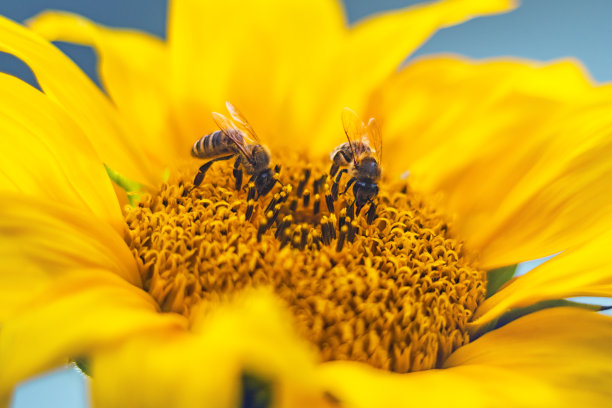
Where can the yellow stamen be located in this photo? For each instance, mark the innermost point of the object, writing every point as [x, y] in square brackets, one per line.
[390, 287]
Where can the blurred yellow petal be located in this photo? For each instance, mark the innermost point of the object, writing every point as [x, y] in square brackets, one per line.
[438, 105]
[581, 271]
[134, 71]
[554, 358]
[250, 334]
[378, 45]
[532, 157]
[40, 241]
[59, 237]
[277, 80]
[47, 156]
[563, 350]
[375, 48]
[232, 50]
[358, 385]
[19, 282]
[87, 311]
[66, 84]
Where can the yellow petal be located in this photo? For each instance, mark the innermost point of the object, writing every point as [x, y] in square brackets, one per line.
[562, 198]
[358, 385]
[134, 70]
[378, 45]
[249, 334]
[373, 50]
[63, 82]
[563, 350]
[447, 103]
[46, 155]
[87, 311]
[19, 283]
[274, 63]
[554, 358]
[40, 241]
[581, 271]
[532, 155]
[254, 54]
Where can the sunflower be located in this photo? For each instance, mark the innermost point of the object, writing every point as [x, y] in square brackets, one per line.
[170, 294]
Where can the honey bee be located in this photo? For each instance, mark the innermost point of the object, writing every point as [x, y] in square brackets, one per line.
[236, 138]
[362, 154]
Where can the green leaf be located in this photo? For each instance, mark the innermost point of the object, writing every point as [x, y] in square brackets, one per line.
[514, 314]
[132, 188]
[519, 312]
[82, 364]
[496, 278]
[256, 391]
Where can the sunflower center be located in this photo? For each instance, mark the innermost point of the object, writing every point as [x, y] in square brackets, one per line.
[389, 286]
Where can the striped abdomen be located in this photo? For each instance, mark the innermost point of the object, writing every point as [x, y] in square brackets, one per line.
[214, 144]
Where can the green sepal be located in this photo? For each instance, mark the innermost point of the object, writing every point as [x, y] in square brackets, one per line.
[519, 312]
[496, 278]
[131, 187]
[82, 363]
[516, 313]
[256, 391]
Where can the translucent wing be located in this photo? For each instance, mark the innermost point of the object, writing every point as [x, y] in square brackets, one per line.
[232, 132]
[374, 139]
[242, 123]
[354, 129]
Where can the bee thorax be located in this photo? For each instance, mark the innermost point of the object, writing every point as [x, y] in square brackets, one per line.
[368, 169]
[259, 160]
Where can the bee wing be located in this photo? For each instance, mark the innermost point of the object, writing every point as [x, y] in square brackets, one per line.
[243, 123]
[230, 130]
[374, 139]
[354, 129]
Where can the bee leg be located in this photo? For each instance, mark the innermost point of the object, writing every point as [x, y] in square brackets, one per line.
[249, 210]
[371, 216]
[251, 191]
[277, 169]
[238, 173]
[250, 186]
[336, 185]
[204, 168]
[358, 209]
[238, 176]
[254, 193]
[334, 169]
[246, 186]
[349, 184]
[341, 157]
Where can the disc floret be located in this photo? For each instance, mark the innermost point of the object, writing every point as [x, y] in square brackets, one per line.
[389, 287]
